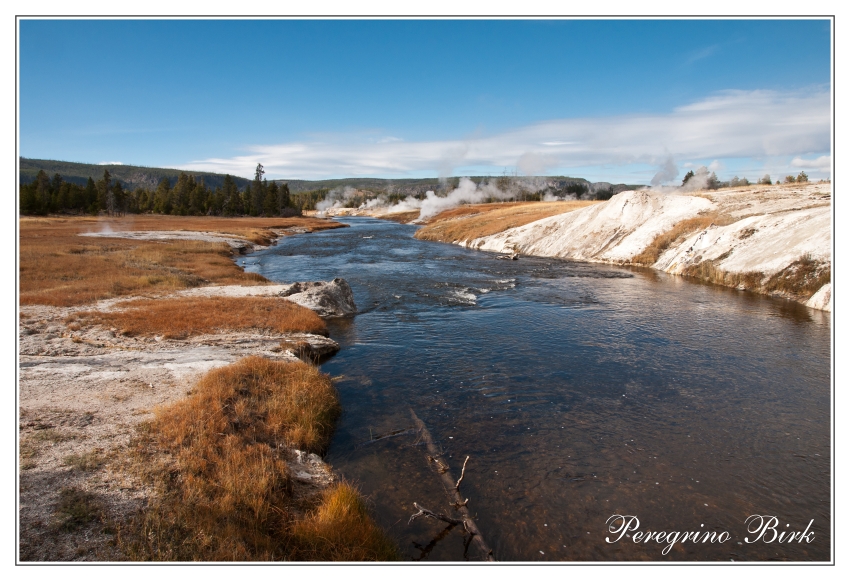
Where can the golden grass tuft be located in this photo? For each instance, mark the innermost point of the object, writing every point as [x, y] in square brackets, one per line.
[224, 489]
[662, 242]
[178, 318]
[257, 399]
[339, 529]
[473, 221]
[59, 268]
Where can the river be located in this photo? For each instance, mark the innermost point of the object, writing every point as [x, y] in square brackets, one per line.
[579, 391]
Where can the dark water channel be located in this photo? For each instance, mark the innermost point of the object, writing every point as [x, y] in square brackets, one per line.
[580, 391]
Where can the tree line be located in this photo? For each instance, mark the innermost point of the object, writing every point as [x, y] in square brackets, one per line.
[188, 197]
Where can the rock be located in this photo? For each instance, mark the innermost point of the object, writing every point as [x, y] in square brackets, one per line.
[327, 299]
[307, 347]
[822, 299]
[309, 468]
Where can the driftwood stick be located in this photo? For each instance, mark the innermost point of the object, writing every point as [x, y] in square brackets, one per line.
[451, 490]
[431, 514]
[462, 473]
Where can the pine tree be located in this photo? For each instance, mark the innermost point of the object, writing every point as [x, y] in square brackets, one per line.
[230, 196]
[271, 204]
[162, 197]
[119, 199]
[91, 197]
[285, 200]
[103, 186]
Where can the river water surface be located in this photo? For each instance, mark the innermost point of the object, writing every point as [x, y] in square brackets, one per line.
[579, 391]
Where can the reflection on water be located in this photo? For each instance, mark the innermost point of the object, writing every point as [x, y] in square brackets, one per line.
[579, 391]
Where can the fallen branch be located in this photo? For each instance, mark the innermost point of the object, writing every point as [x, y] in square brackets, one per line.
[459, 505]
[451, 487]
[431, 514]
[462, 473]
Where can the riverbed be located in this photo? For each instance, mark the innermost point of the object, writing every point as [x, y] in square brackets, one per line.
[579, 391]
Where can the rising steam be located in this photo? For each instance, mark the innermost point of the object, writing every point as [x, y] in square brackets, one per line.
[466, 192]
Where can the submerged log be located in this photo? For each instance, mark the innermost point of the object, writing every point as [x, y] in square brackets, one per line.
[452, 490]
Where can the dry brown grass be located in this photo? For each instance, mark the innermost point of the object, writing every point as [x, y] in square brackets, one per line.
[75, 509]
[339, 529]
[224, 489]
[60, 268]
[476, 220]
[401, 217]
[662, 242]
[178, 318]
[800, 280]
[804, 277]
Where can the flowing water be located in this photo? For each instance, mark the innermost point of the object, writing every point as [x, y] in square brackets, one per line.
[579, 391]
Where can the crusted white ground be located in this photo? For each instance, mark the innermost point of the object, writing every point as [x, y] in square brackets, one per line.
[235, 242]
[773, 226]
[82, 394]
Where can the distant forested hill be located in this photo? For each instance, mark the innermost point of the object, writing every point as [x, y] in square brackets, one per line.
[407, 187]
[133, 177]
[130, 176]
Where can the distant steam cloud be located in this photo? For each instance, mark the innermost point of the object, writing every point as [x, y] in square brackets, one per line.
[466, 192]
[336, 198]
[668, 172]
[110, 163]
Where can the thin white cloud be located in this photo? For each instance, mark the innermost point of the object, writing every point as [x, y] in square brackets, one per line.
[110, 163]
[822, 163]
[702, 53]
[730, 124]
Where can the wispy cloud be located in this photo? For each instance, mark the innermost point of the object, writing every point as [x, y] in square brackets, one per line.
[729, 124]
[822, 163]
[110, 163]
[702, 53]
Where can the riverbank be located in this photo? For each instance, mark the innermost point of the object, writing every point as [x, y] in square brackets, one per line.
[118, 329]
[773, 240]
[577, 392]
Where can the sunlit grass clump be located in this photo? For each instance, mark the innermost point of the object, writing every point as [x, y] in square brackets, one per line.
[224, 490]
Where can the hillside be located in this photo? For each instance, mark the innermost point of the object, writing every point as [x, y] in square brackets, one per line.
[413, 187]
[133, 177]
[130, 176]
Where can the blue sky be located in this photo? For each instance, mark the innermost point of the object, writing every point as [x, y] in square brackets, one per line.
[606, 100]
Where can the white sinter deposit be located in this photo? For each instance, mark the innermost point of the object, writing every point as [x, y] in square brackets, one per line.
[83, 391]
[239, 244]
[769, 228]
